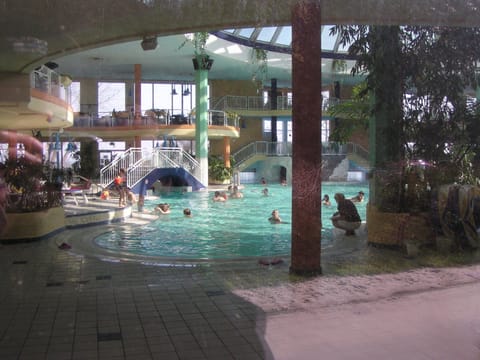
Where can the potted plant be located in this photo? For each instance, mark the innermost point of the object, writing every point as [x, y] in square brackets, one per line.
[201, 61]
[218, 173]
[34, 203]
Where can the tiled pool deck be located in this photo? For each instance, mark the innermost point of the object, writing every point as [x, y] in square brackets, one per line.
[74, 304]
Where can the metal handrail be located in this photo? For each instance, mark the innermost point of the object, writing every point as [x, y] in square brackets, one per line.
[285, 149]
[262, 148]
[92, 120]
[232, 103]
[139, 162]
[125, 160]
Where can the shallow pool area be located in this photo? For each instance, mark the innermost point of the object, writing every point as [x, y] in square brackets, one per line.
[237, 228]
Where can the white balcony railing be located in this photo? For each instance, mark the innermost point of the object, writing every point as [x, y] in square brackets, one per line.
[50, 82]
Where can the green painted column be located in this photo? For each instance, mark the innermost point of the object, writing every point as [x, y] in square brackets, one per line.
[386, 147]
[202, 64]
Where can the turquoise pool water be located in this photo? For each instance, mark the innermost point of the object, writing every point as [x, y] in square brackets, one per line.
[222, 230]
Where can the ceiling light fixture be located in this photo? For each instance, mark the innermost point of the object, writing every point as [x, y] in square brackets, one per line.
[149, 42]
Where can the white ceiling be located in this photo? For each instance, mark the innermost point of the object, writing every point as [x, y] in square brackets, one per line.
[172, 61]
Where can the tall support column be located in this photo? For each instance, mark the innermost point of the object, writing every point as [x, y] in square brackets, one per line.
[138, 94]
[201, 64]
[307, 150]
[273, 106]
[137, 141]
[226, 151]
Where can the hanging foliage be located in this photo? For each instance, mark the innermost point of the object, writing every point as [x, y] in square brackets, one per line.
[259, 59]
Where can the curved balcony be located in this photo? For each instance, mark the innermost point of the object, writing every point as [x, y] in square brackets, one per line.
[153, 124]
[35, 101]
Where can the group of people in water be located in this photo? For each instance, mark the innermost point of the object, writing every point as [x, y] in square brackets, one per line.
[232, 193]
[164, 208]
[346, 217]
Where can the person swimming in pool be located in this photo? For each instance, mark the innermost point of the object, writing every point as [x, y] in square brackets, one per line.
[275, 218]
[359, 197]
[219, 197]
[236, 194]
[162, 209]
[187, 212]
[326, 200]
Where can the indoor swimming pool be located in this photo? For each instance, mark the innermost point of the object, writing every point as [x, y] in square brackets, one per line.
[237, 228]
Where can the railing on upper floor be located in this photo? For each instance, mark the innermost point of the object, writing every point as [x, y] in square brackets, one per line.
[50, 82]
[125, 118]
[285, 149]
[139, 162]
[232, 103]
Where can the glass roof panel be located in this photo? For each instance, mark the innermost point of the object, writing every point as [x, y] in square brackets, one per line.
[285, 36]
[279, 39]
[247, 32]
[266, 34]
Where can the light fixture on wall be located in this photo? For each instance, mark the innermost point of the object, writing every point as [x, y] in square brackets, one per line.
[174, 91]
[186, 92]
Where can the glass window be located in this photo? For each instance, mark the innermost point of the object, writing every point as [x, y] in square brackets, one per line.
[162, 96]
[289, 131]
[176, 98]
[267, 130]
[111, 96]
[75, 96]
[325, 130]
[146, 102]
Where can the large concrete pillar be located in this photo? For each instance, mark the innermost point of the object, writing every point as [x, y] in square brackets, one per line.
[137, 141]
[307, 149]
[202, 65]
[226, 151]
[137, 109]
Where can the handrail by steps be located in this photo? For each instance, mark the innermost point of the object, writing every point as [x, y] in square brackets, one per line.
[139, 162]
[285, 149]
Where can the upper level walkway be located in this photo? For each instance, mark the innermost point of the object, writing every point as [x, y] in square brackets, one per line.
[155, 123]
[258, 106]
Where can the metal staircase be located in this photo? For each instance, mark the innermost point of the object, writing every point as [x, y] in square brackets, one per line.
[140, 162]
[254, 151]
[250, 152]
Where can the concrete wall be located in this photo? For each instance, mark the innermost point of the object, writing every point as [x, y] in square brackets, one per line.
[33, 225]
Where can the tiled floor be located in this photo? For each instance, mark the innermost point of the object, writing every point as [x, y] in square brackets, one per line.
[80, 303]
[58, 305]
[62, 304]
